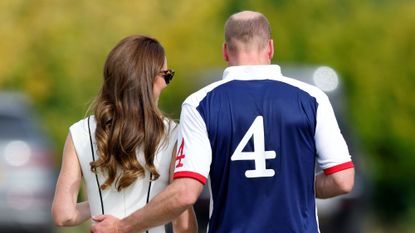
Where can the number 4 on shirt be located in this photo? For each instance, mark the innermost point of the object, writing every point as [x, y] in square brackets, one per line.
[259, 154]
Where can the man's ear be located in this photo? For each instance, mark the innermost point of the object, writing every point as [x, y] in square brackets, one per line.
[225, 52]
[270, 49]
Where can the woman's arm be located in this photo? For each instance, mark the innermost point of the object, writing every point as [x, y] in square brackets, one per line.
[65, 209]
[186, 222]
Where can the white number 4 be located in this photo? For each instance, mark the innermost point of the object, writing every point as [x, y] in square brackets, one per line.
[259, 154]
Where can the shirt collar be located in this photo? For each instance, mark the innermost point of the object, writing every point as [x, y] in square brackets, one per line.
[252, 72]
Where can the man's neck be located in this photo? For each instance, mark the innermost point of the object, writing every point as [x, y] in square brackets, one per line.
[242, 59]
[247, 63]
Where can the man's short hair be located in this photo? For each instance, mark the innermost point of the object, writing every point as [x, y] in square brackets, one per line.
[247, 28]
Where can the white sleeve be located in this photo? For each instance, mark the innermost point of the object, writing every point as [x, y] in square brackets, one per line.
[333, 154]
[194, 153]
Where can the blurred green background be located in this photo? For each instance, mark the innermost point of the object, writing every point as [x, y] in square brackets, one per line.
[54, 52]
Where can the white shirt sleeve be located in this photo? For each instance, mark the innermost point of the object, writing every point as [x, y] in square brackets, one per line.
[194, 153]
[333, 154]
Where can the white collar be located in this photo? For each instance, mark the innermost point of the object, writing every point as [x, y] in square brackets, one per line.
[252, 72]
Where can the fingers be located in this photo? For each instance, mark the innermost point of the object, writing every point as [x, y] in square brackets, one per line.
[104, 224]
[99, 218]
[92, 229]
[95, 228]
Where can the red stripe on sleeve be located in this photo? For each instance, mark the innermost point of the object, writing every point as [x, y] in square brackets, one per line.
[193, 175]
[338, 168]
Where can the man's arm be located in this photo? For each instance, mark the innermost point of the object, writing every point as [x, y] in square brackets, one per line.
[186, 222]
[167, 205]
[335, 184]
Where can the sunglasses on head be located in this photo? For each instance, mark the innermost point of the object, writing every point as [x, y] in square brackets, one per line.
[167, 75]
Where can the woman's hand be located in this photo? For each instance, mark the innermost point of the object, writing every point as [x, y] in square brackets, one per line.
[106, 224]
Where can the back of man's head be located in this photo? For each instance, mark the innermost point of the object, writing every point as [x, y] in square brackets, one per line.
[247, 30]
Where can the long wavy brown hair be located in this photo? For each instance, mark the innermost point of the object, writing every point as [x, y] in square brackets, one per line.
[126, 111]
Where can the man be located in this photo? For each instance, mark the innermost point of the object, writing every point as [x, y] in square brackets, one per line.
[257, 136]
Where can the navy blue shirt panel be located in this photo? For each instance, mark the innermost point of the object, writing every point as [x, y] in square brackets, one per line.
[284, 202]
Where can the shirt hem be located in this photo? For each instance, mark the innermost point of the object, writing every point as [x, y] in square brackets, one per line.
[192, 175]
[338, 168]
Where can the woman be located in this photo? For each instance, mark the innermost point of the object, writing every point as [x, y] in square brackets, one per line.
[124, 152]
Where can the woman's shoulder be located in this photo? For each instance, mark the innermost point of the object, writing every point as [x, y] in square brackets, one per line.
[83, 123]
[171, 125]
[83, 126]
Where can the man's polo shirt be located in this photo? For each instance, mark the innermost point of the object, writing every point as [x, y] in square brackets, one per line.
[257, 135]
